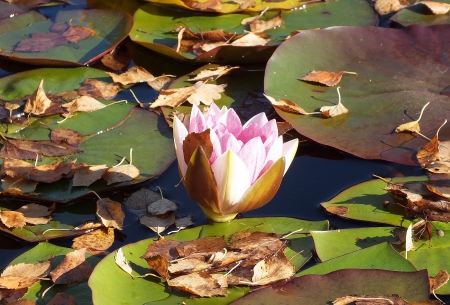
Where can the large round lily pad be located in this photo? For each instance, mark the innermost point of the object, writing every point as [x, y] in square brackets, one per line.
[153, 26]
[134, 128]
[399, 71]
[107, 276]
[75, 37]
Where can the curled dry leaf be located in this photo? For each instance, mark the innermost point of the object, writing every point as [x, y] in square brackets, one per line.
[162, 247]
[333, 111]
[384, 7]
[188, 265]
[286, 105]
[24, 275]
[83, 103]
[212, 73]
[436, 8]
[249, 40]
[259, 26]
[195, 140]
[205, 93]
[49, 173]
[121, 173]
[29, 149]
[208, 5]
[18, 185]
[271, 270]
[157, 224]
[116, 60]
[95, 242]
[376, 300]
[338, 210]
[408, 241]
[325, 77]
[430, 152]
[110, 213]
[439, 280]
[98, 89]
[38, 102]
[159, 264]
[66, 136]
[411, 126]
[245, 4]
[122, 262]
[12, 219]
[161, 82]
[132, 76]
[73, 269]
[201, 284]
[173, 97]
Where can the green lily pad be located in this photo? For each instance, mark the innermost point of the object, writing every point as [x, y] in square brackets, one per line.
[331, 244]
[365, 201]
[42, 252]
[143, 131]
[49, 45]
[107, 276]
[381, 256]
[420, 14]
[154, 23]
[324, 289]
[399, 71]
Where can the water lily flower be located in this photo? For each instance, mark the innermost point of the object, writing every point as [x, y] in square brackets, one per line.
[242, 170]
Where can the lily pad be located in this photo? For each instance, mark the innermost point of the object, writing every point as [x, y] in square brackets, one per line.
[420, 14]
[381, 256]
[324, 289]
[134, 128]
[42, 252]
[366, 201]
[107, 276]
[399, 71]
[331, 244]
[76, 37]
[153, 24]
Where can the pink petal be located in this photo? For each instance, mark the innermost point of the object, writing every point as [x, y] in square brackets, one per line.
[270, 141]
[260, 119]
[217, 147]
[253, 155]
[231, 120]
[269, 129]
[275, 153]
[289, 150]
[250, 132]
[179, 134]
[197, 122]
[213, 115]
[232, 179]
[229, 142]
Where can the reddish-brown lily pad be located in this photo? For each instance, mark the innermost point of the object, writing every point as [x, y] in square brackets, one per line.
[75, 37]
[399, 71]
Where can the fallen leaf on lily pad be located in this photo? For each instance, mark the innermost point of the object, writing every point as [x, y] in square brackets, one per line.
[159, 264]
[325, 77]
[431, 152]
[38, 102]
[286, 105]
[439, 280]
[259, 26]
[35, 213]
[208, 5]
[251, 39]
[24, 275]
[88, 174]
[110, 213]
[12, 219]
[122, 262]
[18, 185]
[83, 103]
[412, 126]
[73, 269]
[201, 284]
[95, 242]
[384, 7]
[98, 89]
[66, 136]
[173, 97]
[333, 111]
[212, 73]
[205, 93]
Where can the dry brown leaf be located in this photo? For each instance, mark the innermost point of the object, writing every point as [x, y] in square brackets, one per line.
[173, 97]
[157, 224]
[259, 26]
[188, 265]
[121, 173]
[339, 210]
[76, 33]
[205, 93]
[116, 60]
[12, 219]
[184, 222]
[73, 269]
[83, 103]
[161, 82]
[24, 275]
[98, 89]
[428, 153]
[66, 136]
[22, 185]
[271, 270]
[201, 284]
[286, 105]
[245, 4]
[158, 264]
[212, 73]
[193, 141]
[62, 298]
[38, 102]
[208, 5]
[95, 242]
[110, 213]
[437, 8]
[35, 213]
[163, 247]
[325, 77]
[25, 149]
[384, 7]
[439, 280]
[86, 175]
[442, 190]
[250, 40]
[49, 173]
[411, 126]
[22, 301]
[375, 300]
[201, 247]
[132, 76]
[15, 168]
